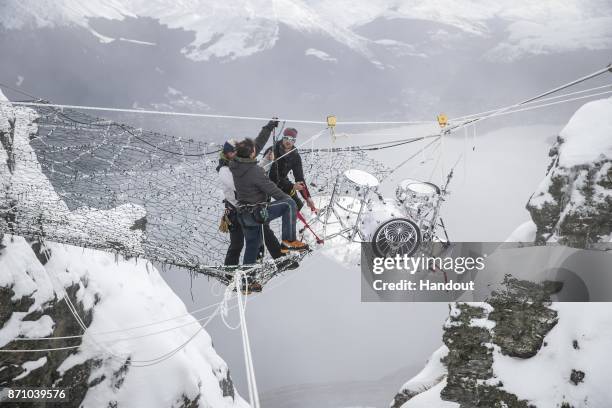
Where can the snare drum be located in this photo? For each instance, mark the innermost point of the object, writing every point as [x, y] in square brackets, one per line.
[409, 189]
[361, 178]
[353, 190]
[422, 190]
[419, 198]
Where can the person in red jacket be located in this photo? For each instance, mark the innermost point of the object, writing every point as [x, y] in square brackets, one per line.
[288, 159]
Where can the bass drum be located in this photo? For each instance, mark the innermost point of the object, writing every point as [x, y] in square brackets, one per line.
[397, 236]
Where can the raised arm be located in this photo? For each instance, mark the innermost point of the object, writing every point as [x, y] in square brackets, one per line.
[264, 135]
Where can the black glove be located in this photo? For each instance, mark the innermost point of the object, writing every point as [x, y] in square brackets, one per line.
[273, 123]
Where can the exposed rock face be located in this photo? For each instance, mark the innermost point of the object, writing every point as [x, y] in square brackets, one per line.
[521, 316]
[573, 204]
[489, 344]
[577, 376]
[74, 380]
[514, 321]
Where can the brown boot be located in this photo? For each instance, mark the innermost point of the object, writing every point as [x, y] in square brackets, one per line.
[293, 246]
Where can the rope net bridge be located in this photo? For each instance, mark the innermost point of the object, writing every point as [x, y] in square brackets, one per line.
[81, 180]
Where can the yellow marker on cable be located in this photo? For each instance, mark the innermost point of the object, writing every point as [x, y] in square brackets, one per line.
[331, 121]
[331, 124]
[442, 120]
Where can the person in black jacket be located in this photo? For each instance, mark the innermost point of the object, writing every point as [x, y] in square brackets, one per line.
[288, 159]
[227, 154]
[253, 187]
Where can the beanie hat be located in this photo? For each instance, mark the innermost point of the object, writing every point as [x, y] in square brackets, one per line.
[229, 146]
[291, 132]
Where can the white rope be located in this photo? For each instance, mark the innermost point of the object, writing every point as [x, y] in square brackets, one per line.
[312, 138]
[465, 164]
[503, 112]
[226, 309]
[413, 122]
[74, 312]
[442, 158]
[250, 369]
[547, 104]
[459, 118]
[437, 138]
[156, 112]
[40, 350]
[190, 313]
[534, 98]
[204, 319]
[203, 115]
[114, 340]
[247, 367]
[133, 362]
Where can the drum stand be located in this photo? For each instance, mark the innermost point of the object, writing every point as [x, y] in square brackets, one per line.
[347, 231]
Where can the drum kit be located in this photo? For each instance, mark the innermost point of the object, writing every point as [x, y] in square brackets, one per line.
[359, 213]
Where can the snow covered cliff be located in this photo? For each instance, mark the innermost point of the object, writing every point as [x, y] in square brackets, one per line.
[573, 204]
[520, 350]
[125, 338]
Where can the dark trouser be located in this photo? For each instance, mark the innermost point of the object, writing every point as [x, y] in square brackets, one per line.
[286, 209]
[287, 187]
[237, 240]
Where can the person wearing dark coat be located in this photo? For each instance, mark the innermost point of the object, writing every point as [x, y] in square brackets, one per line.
[227, 154]
[288, 159]
[253, 188]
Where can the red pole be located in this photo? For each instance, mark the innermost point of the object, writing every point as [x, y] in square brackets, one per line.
[301, 218]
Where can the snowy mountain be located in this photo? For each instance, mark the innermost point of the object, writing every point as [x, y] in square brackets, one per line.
[119, 323]
[295, 58]
[519, 349]
[243, 27]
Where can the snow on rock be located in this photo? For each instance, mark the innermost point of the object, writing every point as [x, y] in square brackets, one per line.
[564, 368]
[25, 186]
[322, 55]
[6, 115]
[476, 334]
[432, 375]
[113, 297]
[30, 366]
[519, 349]
[573, 204]
[117, 362]
[526, 232]
[576, 344]
[431, 398]
[587, 137]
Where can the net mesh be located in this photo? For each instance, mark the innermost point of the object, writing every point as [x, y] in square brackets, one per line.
[86, 181]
